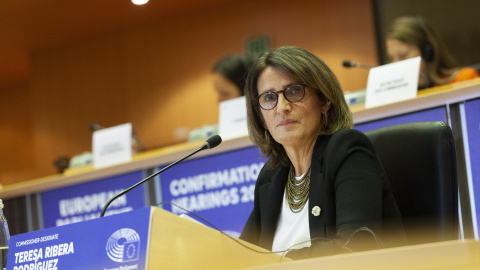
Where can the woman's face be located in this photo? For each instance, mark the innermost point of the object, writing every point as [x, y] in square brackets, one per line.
[398, 51]
[225, 88]
[290, 124]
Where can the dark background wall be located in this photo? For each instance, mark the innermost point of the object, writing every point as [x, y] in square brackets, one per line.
[458, 22]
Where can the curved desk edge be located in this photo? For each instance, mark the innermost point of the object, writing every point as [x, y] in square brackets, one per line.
[435, 97]
[146, 160]
[442, 255]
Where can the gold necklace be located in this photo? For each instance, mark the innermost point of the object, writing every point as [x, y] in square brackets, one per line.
[297, 190]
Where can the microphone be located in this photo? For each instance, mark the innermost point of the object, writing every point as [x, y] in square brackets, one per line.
[212, 142]
[349, 64]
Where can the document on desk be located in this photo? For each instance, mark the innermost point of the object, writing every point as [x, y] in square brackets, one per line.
[112, 145]
[233, 118]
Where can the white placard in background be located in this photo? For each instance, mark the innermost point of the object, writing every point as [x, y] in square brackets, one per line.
[112, 145]
[233, 118]
[392, 82]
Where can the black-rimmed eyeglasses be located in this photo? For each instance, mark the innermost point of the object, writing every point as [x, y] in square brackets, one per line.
[292, 93]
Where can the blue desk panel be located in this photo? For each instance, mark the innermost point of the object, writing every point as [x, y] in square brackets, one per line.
[435, 114]
[218, 188]
[85, 201]
[113, 242]
[472, 115]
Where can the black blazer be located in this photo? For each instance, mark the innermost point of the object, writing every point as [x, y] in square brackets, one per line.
[349, 185]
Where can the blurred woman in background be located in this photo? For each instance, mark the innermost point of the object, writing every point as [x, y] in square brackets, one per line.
[412, 36]
[229, 76]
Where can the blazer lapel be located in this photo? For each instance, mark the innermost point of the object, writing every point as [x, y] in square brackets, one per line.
[317, 189]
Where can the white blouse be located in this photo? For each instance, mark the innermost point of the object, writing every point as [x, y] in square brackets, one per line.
[293, 231]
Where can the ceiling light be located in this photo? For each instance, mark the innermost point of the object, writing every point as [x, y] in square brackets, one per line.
[139, 2]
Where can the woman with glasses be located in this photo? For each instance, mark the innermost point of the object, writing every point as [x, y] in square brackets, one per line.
[323, 190]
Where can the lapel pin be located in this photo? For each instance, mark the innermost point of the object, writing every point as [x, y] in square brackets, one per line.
[316, 211]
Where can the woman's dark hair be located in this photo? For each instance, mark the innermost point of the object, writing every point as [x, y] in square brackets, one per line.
[305, 68]
[234, 67]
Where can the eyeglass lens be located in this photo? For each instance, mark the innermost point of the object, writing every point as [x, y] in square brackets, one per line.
[293, 93]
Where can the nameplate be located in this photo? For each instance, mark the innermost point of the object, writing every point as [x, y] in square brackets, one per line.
[112, 145]
[108, 243]
[233, 118]
[392, 82]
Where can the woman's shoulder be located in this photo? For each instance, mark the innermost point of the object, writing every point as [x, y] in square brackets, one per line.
[341, 134]
[346, 139]
[269, 170]
[352, 134]
[464, 74]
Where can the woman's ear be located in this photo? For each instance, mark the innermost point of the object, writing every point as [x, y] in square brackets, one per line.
[326, 106]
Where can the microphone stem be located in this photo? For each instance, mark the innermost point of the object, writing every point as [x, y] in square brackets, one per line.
[425, 78]
[146, 179]
[364, 66]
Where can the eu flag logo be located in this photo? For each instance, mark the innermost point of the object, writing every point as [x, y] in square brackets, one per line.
[130, 251]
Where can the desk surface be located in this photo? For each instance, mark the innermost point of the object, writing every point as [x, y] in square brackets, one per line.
[459, 255]
[429, 98]
[434, 97]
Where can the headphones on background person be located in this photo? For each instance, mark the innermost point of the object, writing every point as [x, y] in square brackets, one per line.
[426, 48]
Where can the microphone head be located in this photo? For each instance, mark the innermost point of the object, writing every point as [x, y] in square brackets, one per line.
[348, 63]
[212, 142]
[95, 127]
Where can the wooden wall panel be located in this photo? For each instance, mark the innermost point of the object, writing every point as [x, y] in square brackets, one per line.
[16, 148]
[73, 87]
[157, 76]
